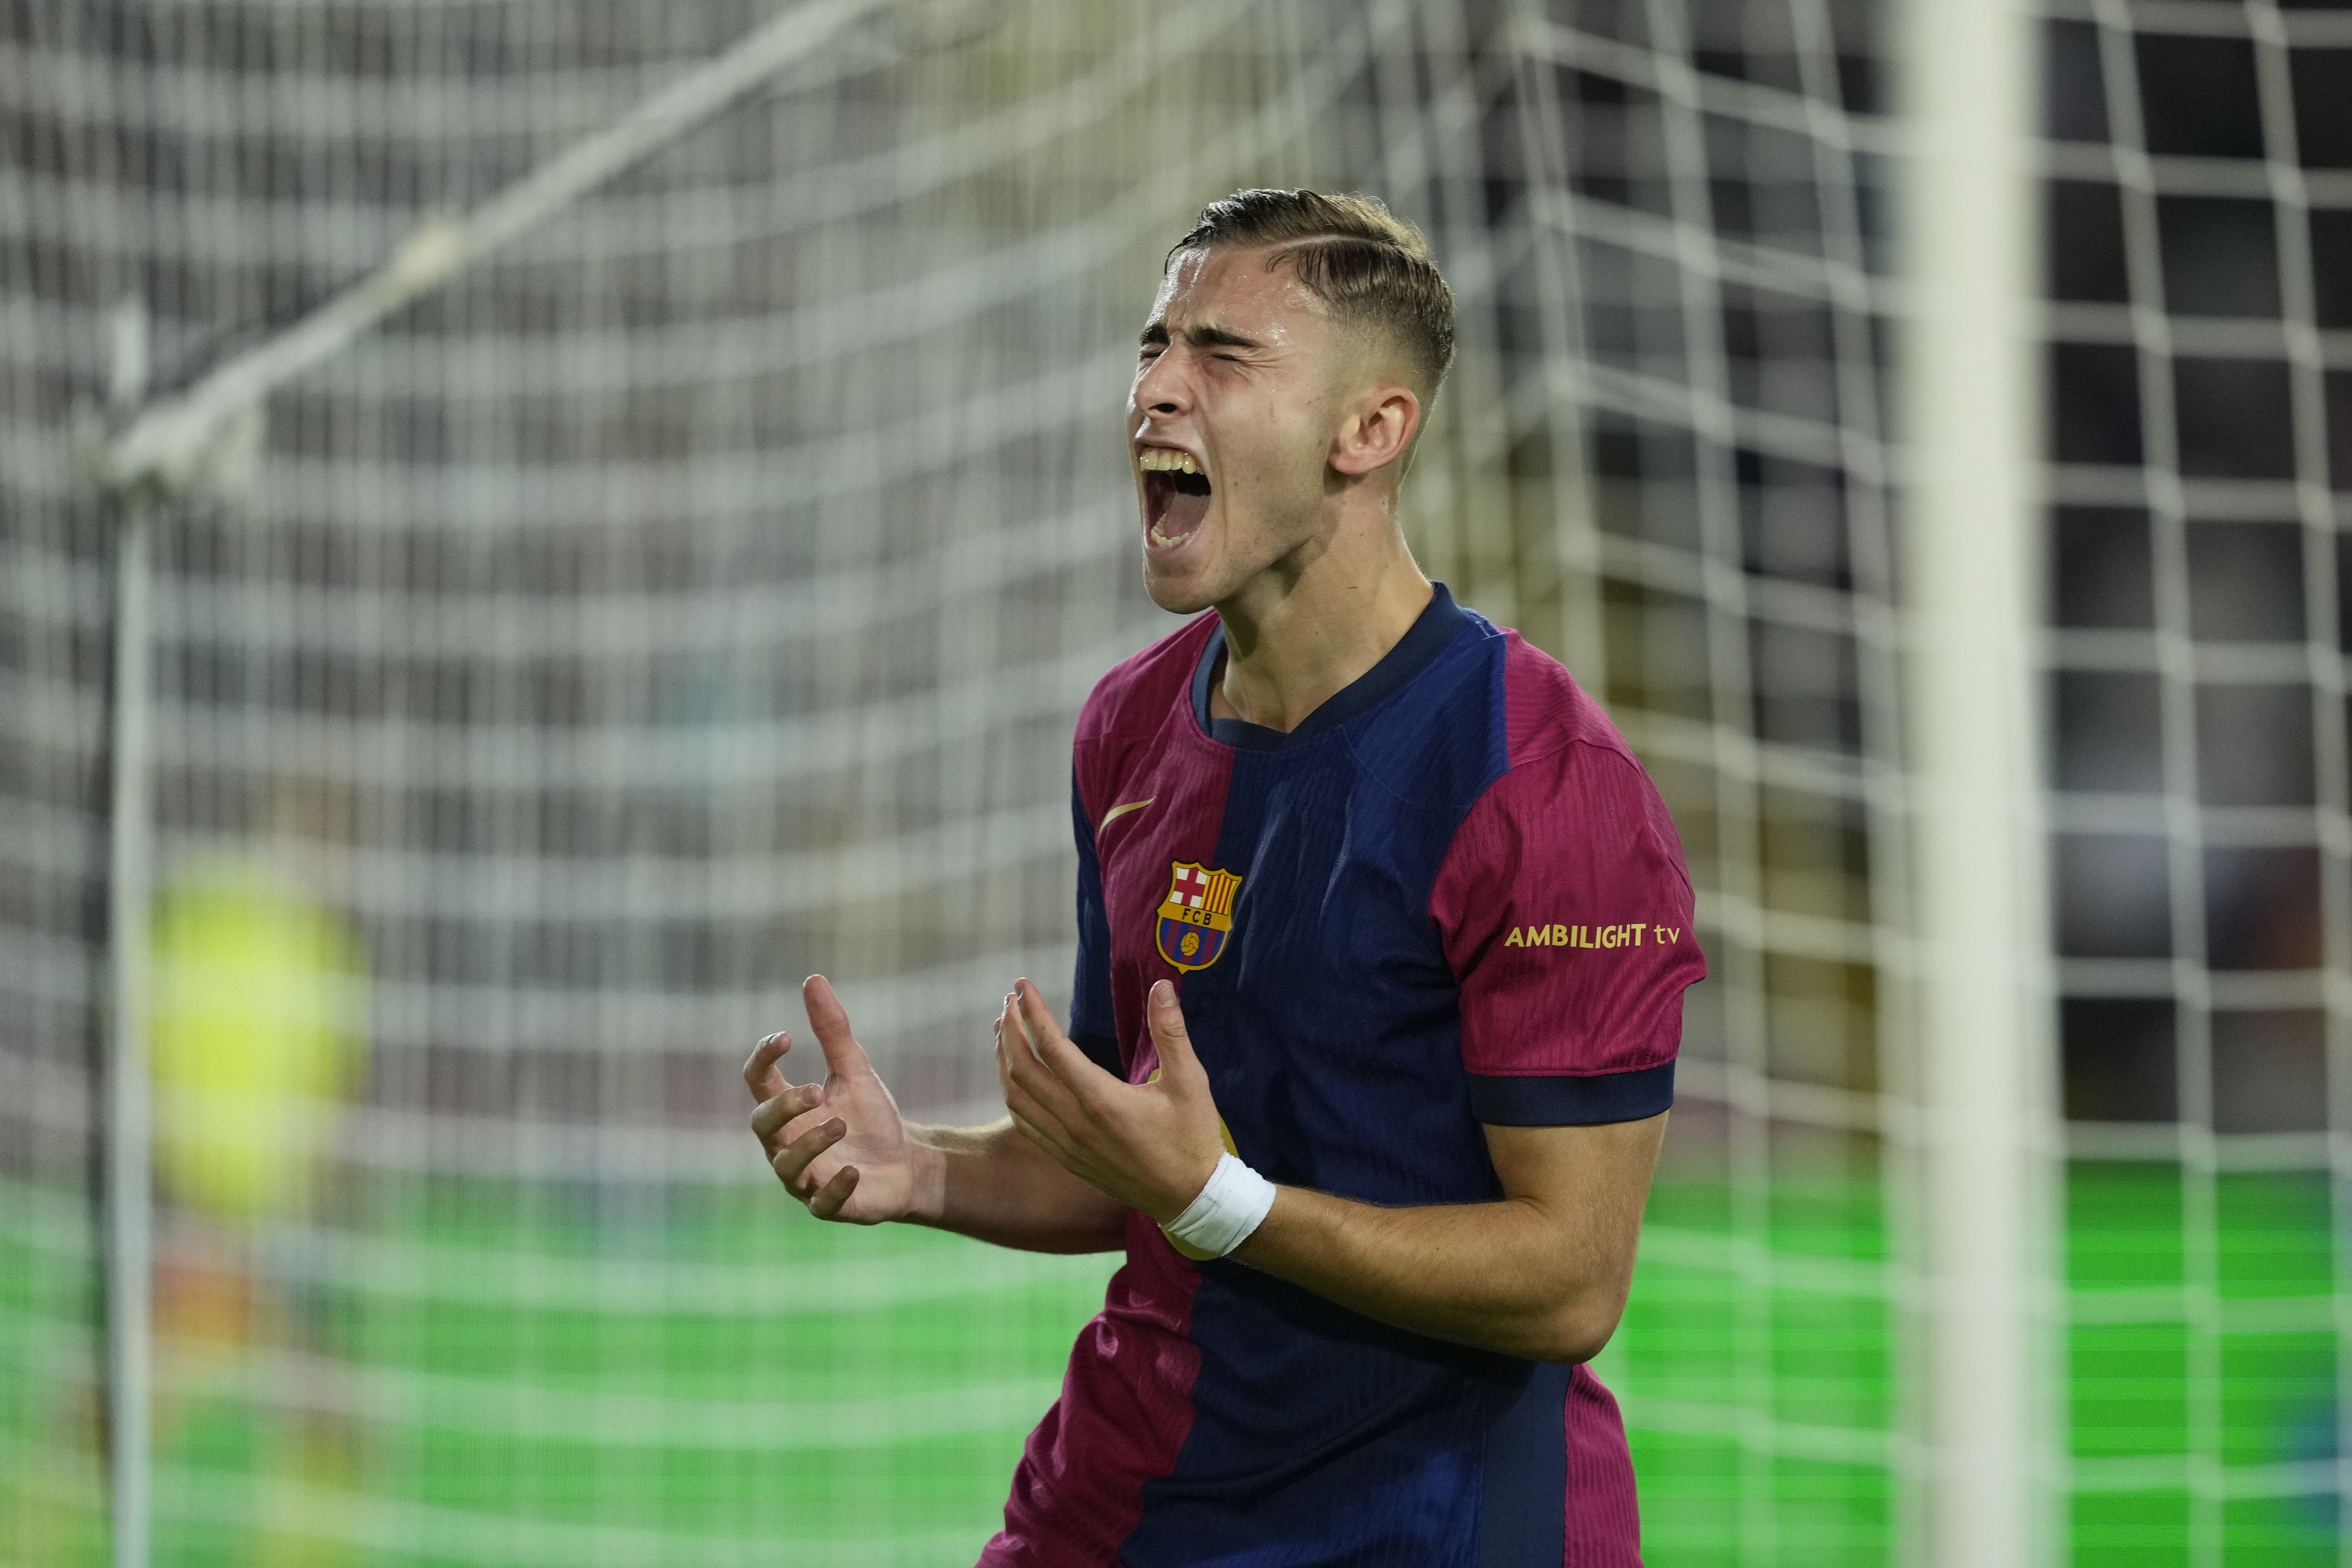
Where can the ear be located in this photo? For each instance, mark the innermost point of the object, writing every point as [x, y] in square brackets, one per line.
[1378, 430]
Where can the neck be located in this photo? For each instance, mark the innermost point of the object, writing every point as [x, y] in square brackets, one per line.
[1297, 636]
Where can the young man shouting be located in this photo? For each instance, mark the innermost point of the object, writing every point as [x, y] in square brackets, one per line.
[1382, 936]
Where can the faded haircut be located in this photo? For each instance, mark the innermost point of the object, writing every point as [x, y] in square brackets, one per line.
[1372, 269]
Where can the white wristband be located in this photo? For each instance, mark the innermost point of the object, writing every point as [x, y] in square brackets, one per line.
[1233, 1204]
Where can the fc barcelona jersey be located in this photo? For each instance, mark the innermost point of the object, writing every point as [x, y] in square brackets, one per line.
[1450, 897]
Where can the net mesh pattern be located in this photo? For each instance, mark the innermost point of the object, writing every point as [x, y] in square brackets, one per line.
[1710, 188]
[2199, 191]
[699, 594]
[696, 594]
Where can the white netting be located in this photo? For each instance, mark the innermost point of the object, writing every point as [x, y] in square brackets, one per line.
[697, 593]
[694, 593]
[2199, 205]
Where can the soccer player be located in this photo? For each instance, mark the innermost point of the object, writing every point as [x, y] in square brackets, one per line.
[1382, 936]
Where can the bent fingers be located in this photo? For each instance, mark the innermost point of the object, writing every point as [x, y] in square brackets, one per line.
[827, 1201]
[774, 1114]
[1018, 1064]
[1021, 1100]
[792, 1164]
[760, 1073]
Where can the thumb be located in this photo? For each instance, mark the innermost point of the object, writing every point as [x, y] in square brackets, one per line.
[1169, 1033]
[830, 1020]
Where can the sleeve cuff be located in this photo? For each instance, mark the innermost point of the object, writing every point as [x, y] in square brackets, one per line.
[1573, 1102]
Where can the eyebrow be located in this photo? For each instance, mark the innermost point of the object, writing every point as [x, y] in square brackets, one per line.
[1155, 332]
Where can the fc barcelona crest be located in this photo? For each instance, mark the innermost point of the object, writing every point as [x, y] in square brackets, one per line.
[1197, 919]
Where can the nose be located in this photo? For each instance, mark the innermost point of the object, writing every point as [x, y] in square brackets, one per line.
[1161, 389]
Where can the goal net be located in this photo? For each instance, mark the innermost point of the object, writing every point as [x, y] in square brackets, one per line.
[697, 593]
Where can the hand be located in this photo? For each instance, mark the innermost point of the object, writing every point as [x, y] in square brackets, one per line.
[838, 1146]
[1152, 1147]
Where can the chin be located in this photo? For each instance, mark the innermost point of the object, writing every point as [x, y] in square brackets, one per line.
[1176, 594]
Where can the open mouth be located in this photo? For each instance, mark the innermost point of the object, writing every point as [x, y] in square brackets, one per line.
[1175, 496]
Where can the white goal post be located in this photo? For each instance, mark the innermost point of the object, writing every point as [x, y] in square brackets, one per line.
[1985, 1079]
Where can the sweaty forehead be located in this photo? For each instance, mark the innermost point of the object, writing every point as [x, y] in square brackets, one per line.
[1236, 290]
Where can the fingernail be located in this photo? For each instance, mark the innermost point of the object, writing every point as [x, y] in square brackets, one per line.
[1163, 993]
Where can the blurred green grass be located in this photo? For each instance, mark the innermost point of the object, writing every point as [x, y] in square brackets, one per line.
[462, 1373]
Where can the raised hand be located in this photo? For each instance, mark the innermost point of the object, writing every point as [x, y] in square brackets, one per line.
[839, 1147]
[1150, 1145]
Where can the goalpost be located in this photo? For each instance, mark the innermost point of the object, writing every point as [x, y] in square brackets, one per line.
[1986, 1133]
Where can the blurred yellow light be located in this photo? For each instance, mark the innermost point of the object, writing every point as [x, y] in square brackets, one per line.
[257, 1037]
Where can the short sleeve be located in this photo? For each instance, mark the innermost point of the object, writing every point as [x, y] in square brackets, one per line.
[1091, 1026]
[1565, 912]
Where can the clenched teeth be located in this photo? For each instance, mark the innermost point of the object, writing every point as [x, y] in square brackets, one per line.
[1157, 459]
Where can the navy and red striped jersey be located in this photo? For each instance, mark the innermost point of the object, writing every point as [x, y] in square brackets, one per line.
[1449, 897]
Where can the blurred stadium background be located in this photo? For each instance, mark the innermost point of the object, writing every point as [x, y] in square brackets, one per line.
[698, 591]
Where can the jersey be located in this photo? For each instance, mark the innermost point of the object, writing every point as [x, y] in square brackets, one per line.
[1449, 897]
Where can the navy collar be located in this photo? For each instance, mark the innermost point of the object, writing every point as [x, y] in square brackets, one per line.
[1422, 643]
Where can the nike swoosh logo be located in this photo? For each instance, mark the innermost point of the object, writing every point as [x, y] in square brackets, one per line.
[1116, 813]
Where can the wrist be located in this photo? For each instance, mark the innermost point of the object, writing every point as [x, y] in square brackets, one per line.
[926, 1190]
[1169, 1204]
[1232, 1205]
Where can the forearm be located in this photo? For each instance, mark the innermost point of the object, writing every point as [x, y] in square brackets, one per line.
[1501, 1276]
[989, 1183]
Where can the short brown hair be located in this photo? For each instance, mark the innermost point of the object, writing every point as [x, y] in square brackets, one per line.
[1370, 267]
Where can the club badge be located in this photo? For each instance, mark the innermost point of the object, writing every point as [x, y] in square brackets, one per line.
[1197, 918]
